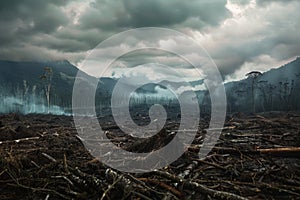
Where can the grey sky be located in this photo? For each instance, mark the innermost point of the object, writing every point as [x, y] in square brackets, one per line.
[239, 35]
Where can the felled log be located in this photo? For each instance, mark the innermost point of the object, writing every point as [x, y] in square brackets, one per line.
[283, 151]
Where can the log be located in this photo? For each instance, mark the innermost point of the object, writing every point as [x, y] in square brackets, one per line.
[283, 151]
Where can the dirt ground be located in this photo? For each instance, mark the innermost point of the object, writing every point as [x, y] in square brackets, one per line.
[256, 157]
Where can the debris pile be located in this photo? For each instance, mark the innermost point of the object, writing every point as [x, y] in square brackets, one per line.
[256, 157]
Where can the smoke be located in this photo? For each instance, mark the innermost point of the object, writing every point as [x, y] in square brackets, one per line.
[12, 104]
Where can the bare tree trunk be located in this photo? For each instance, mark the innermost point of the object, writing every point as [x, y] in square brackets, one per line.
[252, 93]
[48, 88]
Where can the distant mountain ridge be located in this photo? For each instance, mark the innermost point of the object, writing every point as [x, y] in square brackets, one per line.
[276, 89]
[20, 85]
[21, 82]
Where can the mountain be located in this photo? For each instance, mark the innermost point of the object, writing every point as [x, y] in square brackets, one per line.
[276, 89]
[23, 89]
[15, 73]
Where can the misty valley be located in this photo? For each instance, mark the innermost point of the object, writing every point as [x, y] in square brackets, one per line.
[24, 90]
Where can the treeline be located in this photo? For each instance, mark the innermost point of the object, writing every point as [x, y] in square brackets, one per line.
[262, 95]
[283, 96]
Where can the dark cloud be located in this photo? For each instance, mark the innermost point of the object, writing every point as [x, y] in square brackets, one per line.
[64, 29]
[170, 12]
[21, 20]
[47, 24]
[82, 40]
[131, 13]
[104, 15]
[141, 57]
[33, 16]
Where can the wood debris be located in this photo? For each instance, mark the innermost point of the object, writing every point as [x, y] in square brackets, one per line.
[256, 157]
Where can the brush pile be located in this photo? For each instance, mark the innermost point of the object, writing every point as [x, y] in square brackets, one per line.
[256, 157]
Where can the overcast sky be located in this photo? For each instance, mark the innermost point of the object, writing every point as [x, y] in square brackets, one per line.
[239, 35]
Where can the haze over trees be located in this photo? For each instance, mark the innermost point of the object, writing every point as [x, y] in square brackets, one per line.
[47, 77]
[254, 75]
[29, 87]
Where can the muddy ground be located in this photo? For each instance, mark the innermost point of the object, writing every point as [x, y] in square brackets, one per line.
[256, 157]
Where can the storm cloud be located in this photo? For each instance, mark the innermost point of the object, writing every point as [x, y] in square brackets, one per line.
[239, 35]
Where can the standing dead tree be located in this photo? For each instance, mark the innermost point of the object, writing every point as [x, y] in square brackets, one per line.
[285, 93]
[254, 76]
[239, 91]
[47, 77]
[267, 90]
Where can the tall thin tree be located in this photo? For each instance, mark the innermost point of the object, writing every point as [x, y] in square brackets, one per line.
[47, 77]
[254, 76]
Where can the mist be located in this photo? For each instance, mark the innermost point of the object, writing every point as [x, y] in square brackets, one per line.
[12, 104]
